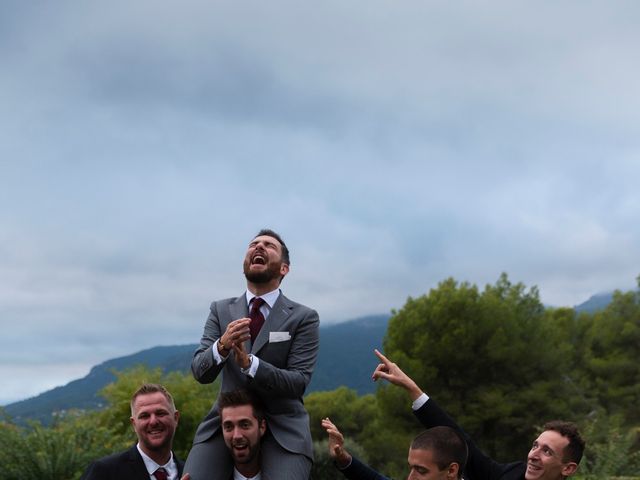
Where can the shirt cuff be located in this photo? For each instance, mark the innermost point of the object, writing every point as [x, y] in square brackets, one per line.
[217, 358]
[253, 367]
[346, 466]
[420, 401]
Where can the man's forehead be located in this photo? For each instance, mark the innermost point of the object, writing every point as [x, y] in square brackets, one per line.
[553, 439]
[421, 456]
[147, 400]
[266, 238]
[237, 412]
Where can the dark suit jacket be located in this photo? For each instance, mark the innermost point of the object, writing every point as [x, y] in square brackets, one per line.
[359, 471]
[285, 368]
[479, 466]
[127, 465]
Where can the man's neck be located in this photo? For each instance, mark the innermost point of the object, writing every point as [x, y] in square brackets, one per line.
[261, 288]
[160, 457]
[249, 470]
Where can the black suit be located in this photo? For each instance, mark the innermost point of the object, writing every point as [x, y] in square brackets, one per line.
[127, 465]
[359, 471]
[479, 466]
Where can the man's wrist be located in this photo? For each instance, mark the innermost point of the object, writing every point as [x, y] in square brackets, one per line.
[222, 350]
[344, 461]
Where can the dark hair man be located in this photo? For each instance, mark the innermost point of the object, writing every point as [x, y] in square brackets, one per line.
[154, 419]
[554, 455]
[439, 453]
[243, 426]
[268, 344]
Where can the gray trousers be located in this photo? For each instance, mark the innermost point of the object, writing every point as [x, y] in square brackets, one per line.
[211, 460]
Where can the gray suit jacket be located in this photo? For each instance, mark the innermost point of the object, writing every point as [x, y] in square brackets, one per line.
[283, 374]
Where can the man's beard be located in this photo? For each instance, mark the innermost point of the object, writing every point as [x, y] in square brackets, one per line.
[265, 276]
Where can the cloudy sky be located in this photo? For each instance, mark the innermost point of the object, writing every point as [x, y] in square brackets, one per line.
[392, 144]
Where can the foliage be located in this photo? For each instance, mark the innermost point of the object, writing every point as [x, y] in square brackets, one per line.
[612, 357]
[611, 449]
[56, 453]
[345, 409]
[323, 466]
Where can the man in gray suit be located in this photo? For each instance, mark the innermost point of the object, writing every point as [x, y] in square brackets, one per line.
[268, 344]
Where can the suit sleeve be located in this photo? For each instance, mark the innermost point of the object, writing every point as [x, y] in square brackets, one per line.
[292, 380]
[359, 471]
[479, 466]
[203, 367]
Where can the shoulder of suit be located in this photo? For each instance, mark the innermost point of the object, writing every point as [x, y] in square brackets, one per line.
[118, 456]
[290, 303]
[227, 301]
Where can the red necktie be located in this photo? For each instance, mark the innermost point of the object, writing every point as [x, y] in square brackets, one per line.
[160, 474]
[257, 319]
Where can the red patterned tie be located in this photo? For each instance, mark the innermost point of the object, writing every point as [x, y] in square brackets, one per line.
[257, 319]
[160, 474]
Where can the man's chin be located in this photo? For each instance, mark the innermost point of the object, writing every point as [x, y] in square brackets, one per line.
[532, 473]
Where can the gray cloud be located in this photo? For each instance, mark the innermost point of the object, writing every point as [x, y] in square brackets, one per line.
[142, 145]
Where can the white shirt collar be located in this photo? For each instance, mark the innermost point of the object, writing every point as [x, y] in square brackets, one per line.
[270, 297]
[152, 466]
[238, 476]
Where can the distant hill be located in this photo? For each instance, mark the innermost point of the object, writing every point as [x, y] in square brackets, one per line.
[345, 358]
[596, 302]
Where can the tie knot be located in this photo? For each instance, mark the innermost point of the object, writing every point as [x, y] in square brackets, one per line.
[161, 474]
[256, 303]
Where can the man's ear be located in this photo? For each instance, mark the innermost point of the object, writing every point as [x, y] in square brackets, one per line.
[284, 269]
[263, 427]
[176, 416]
[452, 471]
[569, 469]
[133, 423]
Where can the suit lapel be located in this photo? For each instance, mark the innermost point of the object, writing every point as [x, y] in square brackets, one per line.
[136, 463]
[238, 309]
[273, 323]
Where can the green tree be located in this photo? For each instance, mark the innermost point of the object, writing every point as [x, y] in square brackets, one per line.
[612, 357]
[496, 360]
[59, 452]
[344, 407]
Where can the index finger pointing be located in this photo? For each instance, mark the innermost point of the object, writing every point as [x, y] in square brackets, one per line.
[384, 359]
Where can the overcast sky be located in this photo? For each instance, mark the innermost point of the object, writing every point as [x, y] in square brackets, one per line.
[392, 144]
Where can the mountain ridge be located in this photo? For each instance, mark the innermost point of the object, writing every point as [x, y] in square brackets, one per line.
[345, 343]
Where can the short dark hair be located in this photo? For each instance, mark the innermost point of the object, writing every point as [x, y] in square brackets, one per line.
[238, 398]
[448, 446]
[285, 251]
[152, 388]
[574, 450]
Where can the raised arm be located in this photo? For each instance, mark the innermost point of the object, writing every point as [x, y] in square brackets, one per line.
[336, 444]
[389, 371]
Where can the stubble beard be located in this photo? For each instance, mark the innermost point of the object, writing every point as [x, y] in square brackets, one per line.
[265, 276]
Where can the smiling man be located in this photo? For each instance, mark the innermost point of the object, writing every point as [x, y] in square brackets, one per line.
[263, 342]
[154, 419]
[554, 455]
